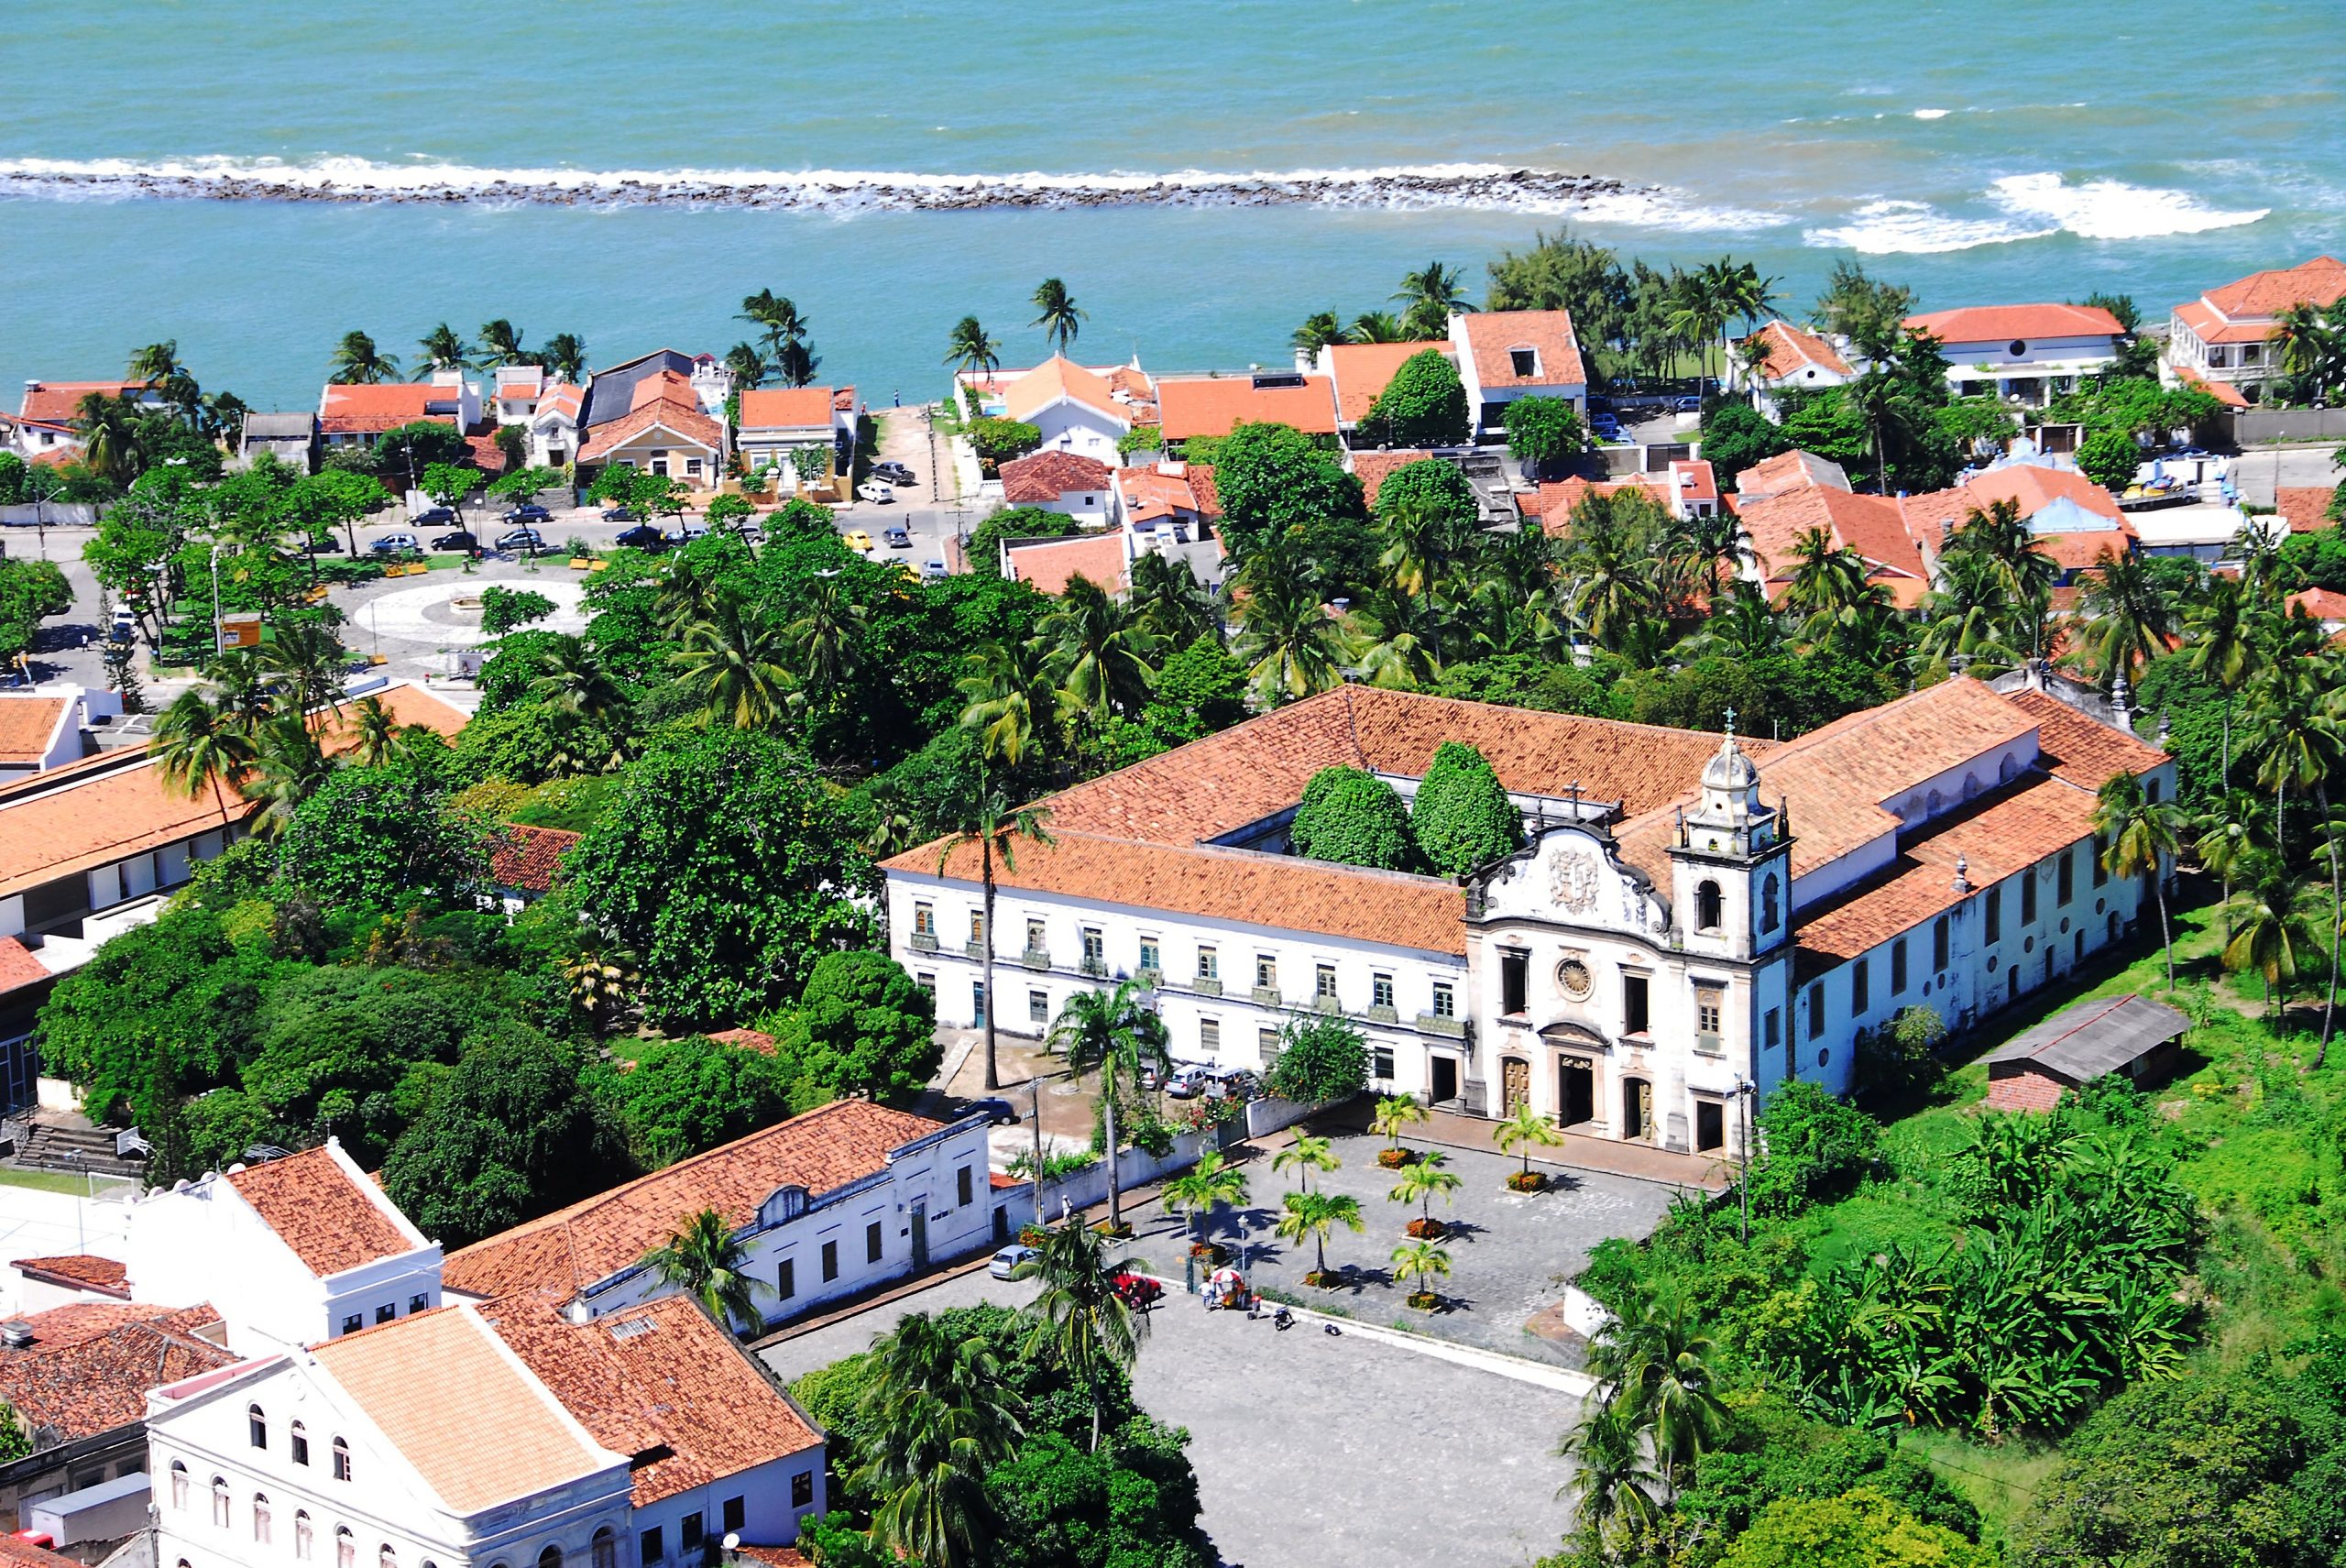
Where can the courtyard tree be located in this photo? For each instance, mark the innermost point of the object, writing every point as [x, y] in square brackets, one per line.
[1421, 1180]
[1396, 1115]
[1204, 1188]
[1315, 1215]
[1423, 405]
[1308, 1153]
[1079, 1314]
[1543, 430]
[1355, 818]
[1461, 817]
[1115, 1034]
[1322, 1060]
[1526, 1130]
[1424, 1262]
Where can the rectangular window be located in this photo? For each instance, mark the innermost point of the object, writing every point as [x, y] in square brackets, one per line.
[802, 1489]
[1898, 967]
[785, 1279]
[924, 920]
[417, 1304]
[1816, 1011]
[1710, 1126]
[387, 1311]
[1515, 980]
[341, 1461]
[1095, 948]
[1709, 1001]
[256, 1431]
[1860, 996]
[1039, 1006]
[1208, 964]
[353, 1323]
[1209, 1034]
[2028, 896]
[1445, 1000]
[652, 1553]
[1637, 1004]
[1771, 1029]
[2067, 876]
[1380, 990]
[1267, 1042]
[300, 1445]
[689, 1532]
[1380, 1063]
[1938, 944]
[926, 981]
[1035, 940]
[830, 1261]
[1267, 972]
[871, 1247]
[977, 925]
[2100, 871]
[1993, 916]
[735, 1515]
[978, 1002]
[1323, 982]
[1151, 957]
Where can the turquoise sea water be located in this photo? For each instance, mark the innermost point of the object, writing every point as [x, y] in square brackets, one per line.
[1980, 151]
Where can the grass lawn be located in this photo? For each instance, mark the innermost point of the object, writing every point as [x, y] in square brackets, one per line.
[64, 1181]
[574, 804]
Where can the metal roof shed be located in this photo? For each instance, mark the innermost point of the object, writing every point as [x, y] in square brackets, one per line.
[2123, 1034]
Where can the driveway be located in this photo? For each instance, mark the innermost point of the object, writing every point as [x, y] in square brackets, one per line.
[1315, 1451]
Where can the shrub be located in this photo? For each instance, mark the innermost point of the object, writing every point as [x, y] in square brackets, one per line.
[1423, 405]
[1354, 817]
[1818, 1148]
[1901, 1056]
[1320, 1060]
[1541, 430]
[997, 440]
[863, 1026]
[502, 610]
[2109, 458]
[1461, 817]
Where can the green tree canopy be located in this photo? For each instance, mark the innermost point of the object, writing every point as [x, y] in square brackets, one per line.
[862, 1027]
[1436, 485]
[1423, 405]
[1275, 480]
[1321, 1061]
[1819, 1146]
[984, 549]
[380, 837]
[1861, 1528]
[1199, 691]
[2109, 458]
[1354, 817]
[1542, 430]
[684, 1096]
[30, 591]
[1461, 817]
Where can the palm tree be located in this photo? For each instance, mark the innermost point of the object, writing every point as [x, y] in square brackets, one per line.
[1013, 700]
[378, 731]
[1423, 1261]
[111, 442]
[573, 679]
[357, 361]
[602, 976]
[1397, 639]
[198, 744]
[1099, 654]
[1079, 1315]
[1115, 1033]
[500, 343]
[785, 335]
[1431, 295]
[1291, 647]
[1652, 1365]
[2308, 347]
[1742, 625]
[827, 639]
[942, 1415]
[2267, 929]
[2218, 647]
[1881, 399]
[1208, 1184]
[1611, 1483]
[156, 362]
[1320, 330]
[705, 1260]
[1307, 1154]
[969, 348]
[1700, 303]
[994, 826]
[1376, 326]
[2139, 837]
[1527, 1130]
[1169, 601]
[1396, 1115]
[2024, 573]
[1707, 550]
[1315, 1214]
[748, 366]
[287, 768]
[1966, 618]
[1421, 1180]
[1613, 592]
[444, 349]
[2127, 619]
[564, 357]
[2225, 834]
[304, 662]
[1058, 317]
[731, 663]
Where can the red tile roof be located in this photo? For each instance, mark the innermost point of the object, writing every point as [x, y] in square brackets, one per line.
[1372, 469]
[665, 401]
[78, 1271]
[565, 1251]
[1999, 323]
[1214, 405]
[358, 408]
[1047, 565]
[18, 966]
[755, 1039]
[1870, 525]
[1363, 371]
[331, 1222]
[1494, 335]
[2304, 507]
[661, 1384]
[1060, 377]
[27, 723]
[786, 408]
[525, 858]
[91, 1365]
[1040, 478]
[17, 1553]
[1150, 494]
[1791, 350]
[2263, 295]
[59, 403]
[2224, 392]
[1788, 471]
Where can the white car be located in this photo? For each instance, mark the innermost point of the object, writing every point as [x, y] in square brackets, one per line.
[932, 570]
[876, 493]
[1006, 1263]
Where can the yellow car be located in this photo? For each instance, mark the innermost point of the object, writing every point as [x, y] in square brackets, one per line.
[858, 541]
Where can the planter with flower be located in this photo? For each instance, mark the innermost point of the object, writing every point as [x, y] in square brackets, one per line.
[1395, 1115]
[1525, 1130]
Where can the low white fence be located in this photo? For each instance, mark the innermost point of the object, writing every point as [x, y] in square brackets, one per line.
[50, 514]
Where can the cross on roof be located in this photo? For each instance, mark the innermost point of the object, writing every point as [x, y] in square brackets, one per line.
[1730, 724]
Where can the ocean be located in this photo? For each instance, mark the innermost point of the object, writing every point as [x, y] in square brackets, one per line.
[1203, 177]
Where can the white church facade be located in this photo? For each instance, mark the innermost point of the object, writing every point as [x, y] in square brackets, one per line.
[1690, 915]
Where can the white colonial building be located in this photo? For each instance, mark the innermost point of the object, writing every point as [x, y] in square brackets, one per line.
[1690, 915]
[2025, 353]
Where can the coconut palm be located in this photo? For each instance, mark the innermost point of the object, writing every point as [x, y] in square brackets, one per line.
[602, 976]
[2024, 573]
[2218, 647]
[1099, 654]
[288, 767]
[443, 348]
[2127, 622]
[1527, 1130]
[571, 677]
[2269, 933]
[1309, 1153]
[1079, 1315]
[112, 443]
[2139, 837]
[749, 367]
[1423, 1261]
[1431, 295]
[705, 1260]
[1700, 302]
[1612, 1483]
[1652, 1365]
[731, 664]
[895, 826]
[1291, 647]
[500, 343]
[1742, 625]
[1966, 619]
[1613, 591]
[1167, 599]
[1315, 1215]
[2224, 834]
[1320, 329]
[2310, 347]
[1705, 551]
[1826, 578]
[358, 361]
[1421, 1178]
[941, 1416]
[156, 362]
[1058, 317]
[785, 335]
[826, 638]
[564, 357]
[377, 731]
[1398, 640]
[1207, 1185]
[1396, 1115]
[1013, 699]
[198, 744]
[1115, 1034]
[1376, 326]
[969, 346]
[995, 828]
[304, 662]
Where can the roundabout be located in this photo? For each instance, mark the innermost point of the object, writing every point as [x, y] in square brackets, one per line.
[432, 615]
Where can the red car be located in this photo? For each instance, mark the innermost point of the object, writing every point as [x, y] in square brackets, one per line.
[1139, 1291]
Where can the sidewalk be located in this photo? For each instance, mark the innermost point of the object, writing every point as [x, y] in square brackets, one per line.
[1641, 1162]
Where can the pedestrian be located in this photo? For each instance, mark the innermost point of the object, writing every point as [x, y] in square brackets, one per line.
[896, 398]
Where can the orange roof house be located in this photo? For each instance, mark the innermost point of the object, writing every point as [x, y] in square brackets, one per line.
[1054, 480]
[1215, 405]
[1797, 356]
[1983, 325]
[2224, 336]
[1362, 371]
[1048, 565]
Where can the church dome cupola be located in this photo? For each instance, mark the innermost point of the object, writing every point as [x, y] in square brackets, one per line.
[1729, 819]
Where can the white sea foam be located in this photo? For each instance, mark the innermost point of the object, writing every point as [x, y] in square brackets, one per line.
[2111, 209]
[1915, 228]
[1933, 114]
[1478, 185]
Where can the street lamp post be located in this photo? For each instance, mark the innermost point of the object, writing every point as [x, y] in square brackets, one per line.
[218, 631]
[1743, 1091]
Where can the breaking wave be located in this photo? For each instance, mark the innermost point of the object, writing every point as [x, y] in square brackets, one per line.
[2034, 206]
[1489, 186]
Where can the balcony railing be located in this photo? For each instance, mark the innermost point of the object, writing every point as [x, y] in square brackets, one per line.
[1270, 996]
[924, 941]
[1093, 964]
[1150, 978]
[975, 950]
[1207, 985]
[1710, 1045]
[1443, 1023]
[1035, 958]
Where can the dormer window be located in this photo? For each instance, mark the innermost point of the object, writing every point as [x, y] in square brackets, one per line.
[1525, 362]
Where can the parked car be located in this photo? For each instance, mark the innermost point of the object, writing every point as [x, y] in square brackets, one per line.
[932, 570]
[856, 539]
[398, 544]
[528, 511]
[998, 1112]
[686, 533]
[460, 540]
[621, 514]
[894, 473]
[877, 494]
[1685, 405]
[642, 536]
[434, 516]
[1138, 1291]
[1238, 1083]
[1010, 1260]
[898, 538]
[528, 539]
[1189, 1082]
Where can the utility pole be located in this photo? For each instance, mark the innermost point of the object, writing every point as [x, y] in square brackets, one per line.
[1743, 1088]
